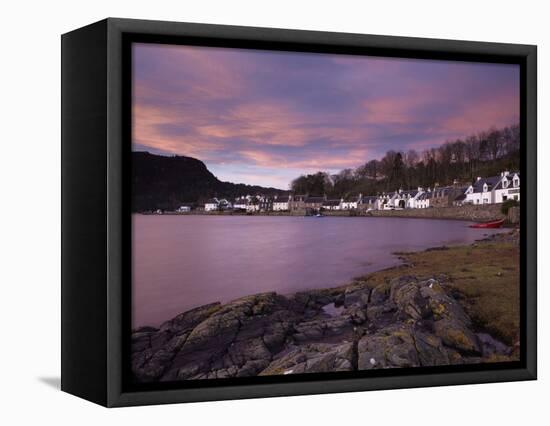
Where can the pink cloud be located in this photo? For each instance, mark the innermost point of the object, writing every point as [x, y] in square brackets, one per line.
[308, 112]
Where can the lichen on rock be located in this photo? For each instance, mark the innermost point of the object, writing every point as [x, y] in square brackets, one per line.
[406, 322]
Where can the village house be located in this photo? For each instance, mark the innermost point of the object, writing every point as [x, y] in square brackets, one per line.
[211, 205]
[265, 203]
[507, 188]
[240, 203]
[296, 203]
[224, 204]
[406, 199]
[393, 200]
[423, 200]
[383, 201]
[350, 203]
[183, 209]
[481, 191]
[494, 189]
[446, 196]
[281, 203]
[441, 196]
[331, 204]
[491, 190]
[314, 203]
[367, 203]
[253, 205]
[460, 200]
[412, 198]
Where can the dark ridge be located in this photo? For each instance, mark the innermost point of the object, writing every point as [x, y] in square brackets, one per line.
[162, 182]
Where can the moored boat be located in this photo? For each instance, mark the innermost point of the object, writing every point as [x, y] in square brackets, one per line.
[492, 224]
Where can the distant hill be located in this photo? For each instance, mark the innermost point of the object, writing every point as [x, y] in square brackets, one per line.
[161, 182]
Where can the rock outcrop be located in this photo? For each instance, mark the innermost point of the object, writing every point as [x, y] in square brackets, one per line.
[404, 323]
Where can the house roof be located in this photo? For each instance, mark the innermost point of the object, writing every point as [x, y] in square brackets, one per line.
[314, 200]
[442, 191]
[410, 192]
[369, 199]
[331, 203]
[510, 178]
[425, 196]
[282, 199]
[212, 201]
[461, 193]
[490, 181]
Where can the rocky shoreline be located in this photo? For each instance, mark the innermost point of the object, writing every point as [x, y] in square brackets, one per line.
[406, 322]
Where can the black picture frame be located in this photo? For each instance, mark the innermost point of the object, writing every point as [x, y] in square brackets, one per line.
[96, 226]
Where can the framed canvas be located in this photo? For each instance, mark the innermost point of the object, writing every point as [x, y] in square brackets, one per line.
[254, 212]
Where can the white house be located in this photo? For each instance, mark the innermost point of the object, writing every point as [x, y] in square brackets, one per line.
[481, 192]
[211, 205]
[240, 203]
[253, 206]
[507, 188]
[494, 189]
[412, 198]
[224, 204]
[393, 201]
[423, 200]
[331, 204]
[350, 203]
[384, 202]
[406, 199]
[183, 209]
[281, 203]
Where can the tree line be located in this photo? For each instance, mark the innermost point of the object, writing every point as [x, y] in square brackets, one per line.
[486, 153]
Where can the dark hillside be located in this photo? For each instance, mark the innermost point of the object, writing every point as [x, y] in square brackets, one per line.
[160, 182]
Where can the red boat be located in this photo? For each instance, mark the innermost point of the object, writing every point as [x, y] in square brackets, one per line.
[493, 224]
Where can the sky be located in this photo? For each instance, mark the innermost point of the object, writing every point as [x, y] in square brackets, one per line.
[265, 117]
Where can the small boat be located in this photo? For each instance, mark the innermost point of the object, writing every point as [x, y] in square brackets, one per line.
[493, 224]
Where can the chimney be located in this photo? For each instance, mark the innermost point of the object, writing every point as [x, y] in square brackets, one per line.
[478, 178]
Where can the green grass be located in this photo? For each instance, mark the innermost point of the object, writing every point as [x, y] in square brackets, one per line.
[483, 277]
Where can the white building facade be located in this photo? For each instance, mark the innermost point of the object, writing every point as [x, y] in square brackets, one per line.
[281, 204]
[211, 205]
[494, 189]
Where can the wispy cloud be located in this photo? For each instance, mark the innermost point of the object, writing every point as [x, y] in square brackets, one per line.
[265, 117]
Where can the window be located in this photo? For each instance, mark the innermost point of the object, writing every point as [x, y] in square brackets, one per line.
[504, 197]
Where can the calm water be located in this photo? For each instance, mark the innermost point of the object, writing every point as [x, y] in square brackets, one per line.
[181, 262]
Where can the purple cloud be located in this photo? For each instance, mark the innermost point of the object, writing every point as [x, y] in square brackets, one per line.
[265, 117]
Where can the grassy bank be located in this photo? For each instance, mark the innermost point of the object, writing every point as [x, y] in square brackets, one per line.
[483, 277]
